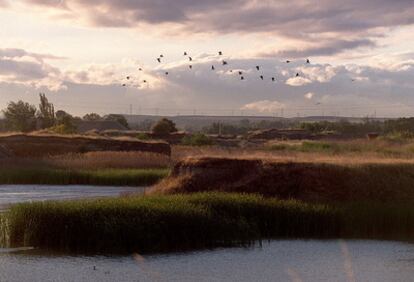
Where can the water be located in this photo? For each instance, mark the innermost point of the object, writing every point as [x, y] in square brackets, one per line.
[12, 194]
[275, 261]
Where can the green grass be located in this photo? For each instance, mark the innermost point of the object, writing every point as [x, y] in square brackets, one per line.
[107, 177]
[165, 223]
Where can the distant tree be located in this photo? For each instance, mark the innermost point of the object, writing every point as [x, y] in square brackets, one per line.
[92, 117]
[119, 118]
[46, 114]
[20, 116]
[61, 114]
[164, 126]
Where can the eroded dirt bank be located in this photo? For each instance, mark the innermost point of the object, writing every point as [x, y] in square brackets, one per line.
[292, 180]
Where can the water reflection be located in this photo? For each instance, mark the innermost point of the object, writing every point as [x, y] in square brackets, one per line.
[12, 194]
[274, 261]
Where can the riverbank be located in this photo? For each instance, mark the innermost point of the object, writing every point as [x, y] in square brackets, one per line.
[178, 222]
[103, 177]
[318, 181]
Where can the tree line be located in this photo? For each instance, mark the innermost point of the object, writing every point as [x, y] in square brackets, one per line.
[24, 117]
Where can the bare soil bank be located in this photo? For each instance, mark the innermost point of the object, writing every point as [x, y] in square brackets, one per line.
[314, 182]
[21, 145]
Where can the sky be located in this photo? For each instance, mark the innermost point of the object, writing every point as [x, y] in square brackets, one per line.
[80, 54]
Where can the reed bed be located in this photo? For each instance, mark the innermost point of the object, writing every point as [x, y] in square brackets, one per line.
[99, 160]
[179, 222]
[104, 177]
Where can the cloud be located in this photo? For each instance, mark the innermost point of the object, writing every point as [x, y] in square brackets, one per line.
[309, 95]
[264, 106]
[295, 18]
[20, 66]
[298, 81]
[330, 47]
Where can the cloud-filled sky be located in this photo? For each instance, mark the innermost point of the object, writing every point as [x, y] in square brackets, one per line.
[80, 53]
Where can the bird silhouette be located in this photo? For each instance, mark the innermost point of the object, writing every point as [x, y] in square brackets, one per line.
[213, 68]
[140, 69]
[307, 61]
[297, 74]
[220, 53]
[144, 81]
[190, 59]
[185, 53]
[190, 66]
[128, 77]
[124, 85]
[166, 73]
[261, 77]
[287, 61]
[159, 60]
[242, 78]
[258, 67]
[273, 79]
[161, 56]
[231, 70]
[240, 72]
[224, 63]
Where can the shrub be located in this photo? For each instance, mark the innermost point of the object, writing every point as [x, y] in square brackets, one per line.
[197, 139]
[164, 126]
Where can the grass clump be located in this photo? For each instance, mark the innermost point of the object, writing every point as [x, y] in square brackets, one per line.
[105, 177]
[197, 139]
[162, 223]
[165, 223]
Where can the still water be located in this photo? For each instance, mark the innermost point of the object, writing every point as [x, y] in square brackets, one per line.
[12, 194]
[275, 261]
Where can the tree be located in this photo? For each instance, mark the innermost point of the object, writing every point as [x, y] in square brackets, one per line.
[20, 116]
[164, 126]
[46, 114]
[92, 117]
[119, 118]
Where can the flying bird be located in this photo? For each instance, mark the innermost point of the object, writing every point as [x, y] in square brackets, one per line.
[166, 73]
[261, 77]
[190, 66]
[161, 56]
[159, 60]
[124, 85]
[240, 72]
[144, 81]
[140, 69]
[128, 77]
[297, 74]
[185, 53]
[258, 67]
[213, 68]
[242, 78]
[224, 63]
[307, 61]
[220, 53]
[287, 61]
[190, 59]
[273, 79]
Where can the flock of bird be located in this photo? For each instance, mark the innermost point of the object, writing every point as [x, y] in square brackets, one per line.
[213, 68]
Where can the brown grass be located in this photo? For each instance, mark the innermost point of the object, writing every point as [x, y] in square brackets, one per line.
[101, 160]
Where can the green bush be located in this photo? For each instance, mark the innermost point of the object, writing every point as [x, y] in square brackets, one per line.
[197, 139]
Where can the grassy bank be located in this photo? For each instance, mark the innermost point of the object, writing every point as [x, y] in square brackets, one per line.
[107, 177]
[163, 223]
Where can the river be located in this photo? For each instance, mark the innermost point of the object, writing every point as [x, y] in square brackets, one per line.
[291, 260]
[12, 194]
[285, 260]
